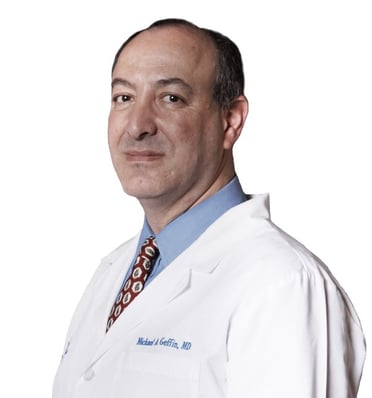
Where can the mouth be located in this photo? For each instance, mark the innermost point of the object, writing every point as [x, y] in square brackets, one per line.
[142, 156]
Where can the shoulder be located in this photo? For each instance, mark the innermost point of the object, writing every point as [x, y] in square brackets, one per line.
[114, 260]
[255, 249]
[247, 232]
[128, 245]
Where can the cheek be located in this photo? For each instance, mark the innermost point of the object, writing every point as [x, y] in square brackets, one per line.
[197, 142]
[113, 148]
[184, 130]
[115, 128]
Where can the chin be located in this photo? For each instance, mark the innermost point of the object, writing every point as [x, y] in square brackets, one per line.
[141, 191]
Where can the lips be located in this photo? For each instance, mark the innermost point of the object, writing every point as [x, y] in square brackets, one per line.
[143, 155]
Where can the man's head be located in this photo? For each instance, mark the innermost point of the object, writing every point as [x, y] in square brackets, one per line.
[174, 119]
[229, 82]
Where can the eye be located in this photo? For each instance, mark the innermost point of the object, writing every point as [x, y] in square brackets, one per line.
[172, 98]
[121, 98]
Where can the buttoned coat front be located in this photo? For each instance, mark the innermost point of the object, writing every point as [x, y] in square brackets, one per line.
[245, 311]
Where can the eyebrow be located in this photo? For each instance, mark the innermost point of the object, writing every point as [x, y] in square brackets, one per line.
[121, 82]
[161, 83]
[175, 81]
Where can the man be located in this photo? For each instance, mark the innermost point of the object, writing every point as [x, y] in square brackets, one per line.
[219, 302]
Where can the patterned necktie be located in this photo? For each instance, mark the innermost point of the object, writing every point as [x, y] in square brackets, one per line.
[136, 280]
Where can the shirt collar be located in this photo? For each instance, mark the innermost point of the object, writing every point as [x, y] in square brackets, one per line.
[179, 234]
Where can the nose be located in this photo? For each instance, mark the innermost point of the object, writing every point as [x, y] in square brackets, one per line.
[140, 120]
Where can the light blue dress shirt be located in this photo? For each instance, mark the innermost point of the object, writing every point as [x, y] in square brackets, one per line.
[179, 234]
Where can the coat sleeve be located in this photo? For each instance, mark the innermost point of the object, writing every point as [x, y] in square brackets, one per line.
[298, 338]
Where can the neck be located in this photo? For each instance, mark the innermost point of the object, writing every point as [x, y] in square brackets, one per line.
[160, 213]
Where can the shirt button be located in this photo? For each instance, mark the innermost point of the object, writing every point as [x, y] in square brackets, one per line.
[89, 374]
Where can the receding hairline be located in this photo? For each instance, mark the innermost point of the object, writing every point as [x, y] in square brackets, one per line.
[179, 24]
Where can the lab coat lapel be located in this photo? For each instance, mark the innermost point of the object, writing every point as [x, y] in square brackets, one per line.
[171, 283]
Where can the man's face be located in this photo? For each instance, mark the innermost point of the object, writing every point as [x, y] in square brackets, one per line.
[166, 132]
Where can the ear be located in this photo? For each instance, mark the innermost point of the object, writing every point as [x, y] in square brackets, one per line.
[234, 119]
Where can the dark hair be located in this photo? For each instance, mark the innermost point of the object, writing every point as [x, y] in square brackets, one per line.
[229, 82]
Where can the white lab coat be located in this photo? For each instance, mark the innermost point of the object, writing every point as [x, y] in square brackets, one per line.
[245, 311]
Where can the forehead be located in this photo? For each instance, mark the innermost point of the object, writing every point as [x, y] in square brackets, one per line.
[177, 51]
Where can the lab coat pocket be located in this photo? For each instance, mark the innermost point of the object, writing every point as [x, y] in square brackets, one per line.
[145, 374]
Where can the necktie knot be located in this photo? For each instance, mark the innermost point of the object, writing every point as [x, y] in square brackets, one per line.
[149, 248]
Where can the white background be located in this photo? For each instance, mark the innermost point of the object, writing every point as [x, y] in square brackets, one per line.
[307, 142]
